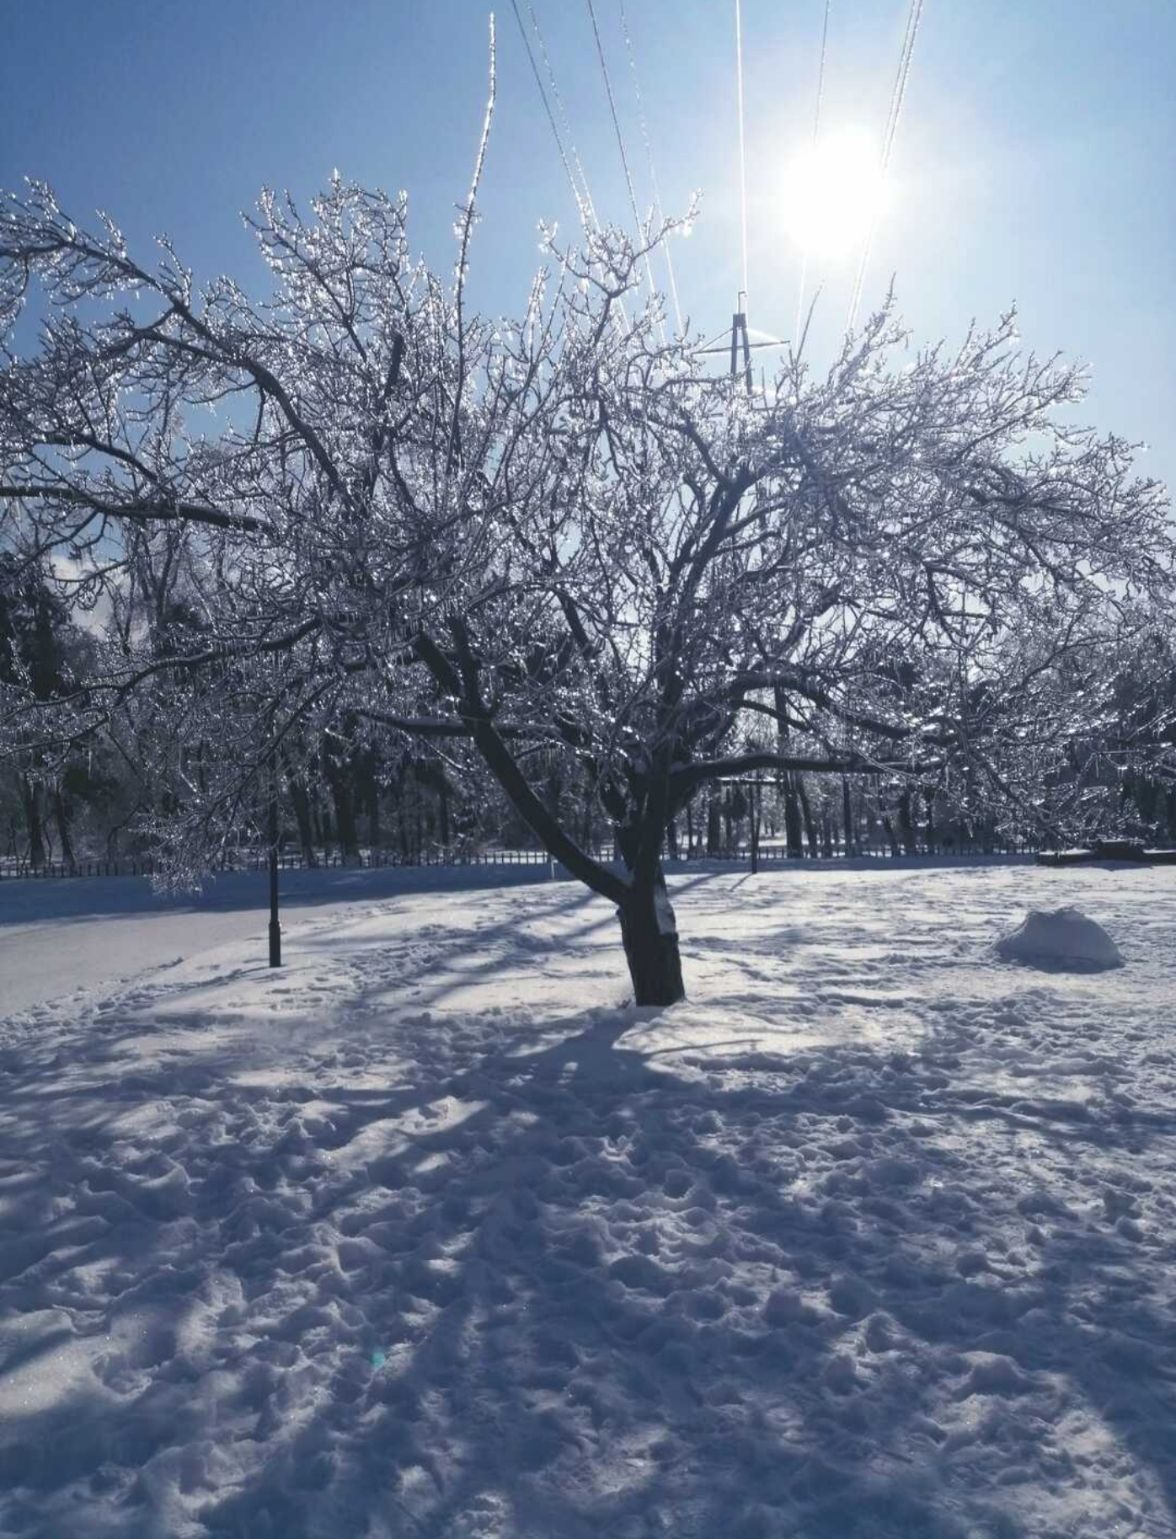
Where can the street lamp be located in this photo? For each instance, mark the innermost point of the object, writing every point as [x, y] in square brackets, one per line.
[275, 928]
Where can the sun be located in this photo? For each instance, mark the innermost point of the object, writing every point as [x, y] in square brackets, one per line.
[833, 193]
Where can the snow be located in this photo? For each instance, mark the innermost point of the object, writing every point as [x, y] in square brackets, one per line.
[667, 923]
[427, 1234]
[1063, 938]
[113, 928]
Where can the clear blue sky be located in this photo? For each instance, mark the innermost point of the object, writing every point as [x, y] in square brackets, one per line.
[1036, 158]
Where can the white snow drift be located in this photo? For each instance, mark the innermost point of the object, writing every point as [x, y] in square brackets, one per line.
[1063, 938]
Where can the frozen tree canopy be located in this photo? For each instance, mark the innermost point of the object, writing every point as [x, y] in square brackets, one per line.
[560, 534]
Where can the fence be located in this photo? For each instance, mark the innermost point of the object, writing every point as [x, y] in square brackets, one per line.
[258, 860]
[12, 869]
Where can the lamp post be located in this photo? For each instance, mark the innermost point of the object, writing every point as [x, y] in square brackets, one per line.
[756, 803]
[755, 812]
[275, 928]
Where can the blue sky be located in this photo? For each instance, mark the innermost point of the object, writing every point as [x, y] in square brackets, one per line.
[1035, 158]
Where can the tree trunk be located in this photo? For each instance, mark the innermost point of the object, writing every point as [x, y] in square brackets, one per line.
[806, 813]
[792, 832]
[906, 823]
[650, 937]
[34, 823]
[932, 829]
[337, 777]
[372, 794]
[402, 824]
[300, 801]
[446, 834]
[61, 817]
[847, 817]
[890, 835]
[714, 826]
[672, 838]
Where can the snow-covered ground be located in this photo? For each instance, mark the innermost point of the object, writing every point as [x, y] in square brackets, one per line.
[61, 934]
[425, 1234]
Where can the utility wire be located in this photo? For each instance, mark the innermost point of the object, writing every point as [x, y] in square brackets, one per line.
[816, 135]
[742, 143]
[563, 116]
[914, 16]
[579, 188]
[897, 97]
[657, 203]
[616, 122]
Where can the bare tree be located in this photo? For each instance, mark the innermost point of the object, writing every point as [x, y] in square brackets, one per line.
[560, 534]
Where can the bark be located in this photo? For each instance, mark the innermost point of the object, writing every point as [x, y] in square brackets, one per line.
[650, 937]
[443, 811]
[402, 826]
[34, 823]
[714, 826]
[847, 817]
[890, 835]
[61, 818]
[906, 823]
[806, 813]
[300, 801]
[337, 776]
[372, 794]
[554, 793]
[672, 838]
[505, 769]
[792, 830]
[932, 830]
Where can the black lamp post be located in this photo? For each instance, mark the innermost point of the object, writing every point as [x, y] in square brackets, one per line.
[755, 812]
[275, 928]
[756, 804]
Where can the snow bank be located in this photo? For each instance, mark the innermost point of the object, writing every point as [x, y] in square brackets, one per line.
[420, 1236]
[1063, 938]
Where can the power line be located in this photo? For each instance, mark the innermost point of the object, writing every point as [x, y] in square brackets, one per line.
[821, 72]
[742, 143]
[914, 16]
[657, 203]
[897, 97]
[616, 122]
[576, 162]
[816, 135]
[579, 188]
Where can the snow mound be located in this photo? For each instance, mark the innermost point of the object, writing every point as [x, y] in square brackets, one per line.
[1063, 938]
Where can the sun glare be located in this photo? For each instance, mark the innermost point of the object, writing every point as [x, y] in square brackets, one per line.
[833, 192]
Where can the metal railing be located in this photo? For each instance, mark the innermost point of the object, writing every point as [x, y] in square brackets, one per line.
[257, 860]
[21, 869]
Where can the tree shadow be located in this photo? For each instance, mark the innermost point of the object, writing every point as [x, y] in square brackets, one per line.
[76, 899]
[551, 1287]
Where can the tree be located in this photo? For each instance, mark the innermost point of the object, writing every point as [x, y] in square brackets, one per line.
[39, 652]
[561, 535]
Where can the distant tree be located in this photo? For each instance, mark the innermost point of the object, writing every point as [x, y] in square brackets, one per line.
[39, 650]
[561, 539]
